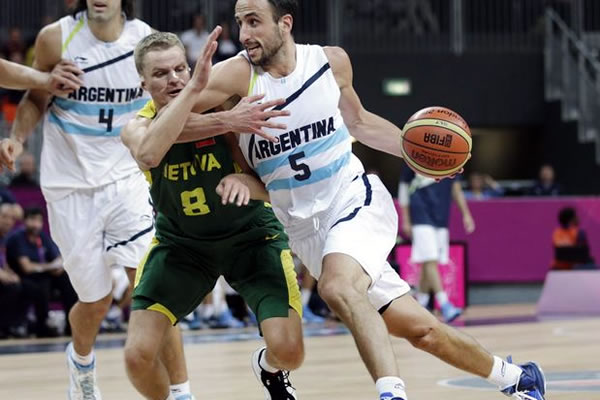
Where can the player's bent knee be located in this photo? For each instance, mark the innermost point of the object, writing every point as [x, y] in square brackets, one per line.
[427, 338]
[96, 310]
[336, 293]
[290, 357]
[138, 359]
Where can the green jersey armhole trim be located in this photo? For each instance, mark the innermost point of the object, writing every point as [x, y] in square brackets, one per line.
[72, 34]
[252, 81]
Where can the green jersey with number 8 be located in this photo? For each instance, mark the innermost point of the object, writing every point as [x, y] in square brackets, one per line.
[183, 190]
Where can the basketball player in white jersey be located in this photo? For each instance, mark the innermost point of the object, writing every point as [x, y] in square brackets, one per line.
[98, 201]
[61, 81]
[341, 222]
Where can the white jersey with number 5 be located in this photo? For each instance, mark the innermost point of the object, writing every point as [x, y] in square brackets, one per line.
[82, 147]
[313, 160]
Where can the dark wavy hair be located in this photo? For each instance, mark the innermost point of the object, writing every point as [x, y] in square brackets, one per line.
[283, 7]
[127, 6]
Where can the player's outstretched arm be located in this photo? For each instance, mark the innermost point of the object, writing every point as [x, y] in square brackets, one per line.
[248, 116]
[34, 103]
[366, 127]
[149, 143]
[62, 80]
[231, 79]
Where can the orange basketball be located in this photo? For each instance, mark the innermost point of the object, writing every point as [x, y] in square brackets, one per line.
[436, 142]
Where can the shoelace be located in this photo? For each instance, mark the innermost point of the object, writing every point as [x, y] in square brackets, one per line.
[286, 384]
[87, 385]
[286, 379]
[522, 396]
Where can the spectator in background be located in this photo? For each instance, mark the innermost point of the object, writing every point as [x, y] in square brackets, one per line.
[482, 187]
[6, 197]
[15, 43]
[425, 207]
[15, 295]
[11, 98]
[194, 39]
[27, 173]
[571, 249]
[34, 257]
[546, 186]
[227, 47]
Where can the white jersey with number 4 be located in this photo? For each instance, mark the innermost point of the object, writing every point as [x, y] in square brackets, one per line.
[313, 160]
[82, 147]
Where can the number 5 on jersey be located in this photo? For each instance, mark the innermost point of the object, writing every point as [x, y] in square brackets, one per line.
[303, 168]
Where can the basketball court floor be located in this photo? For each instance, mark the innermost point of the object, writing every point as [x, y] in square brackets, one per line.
[219, 362]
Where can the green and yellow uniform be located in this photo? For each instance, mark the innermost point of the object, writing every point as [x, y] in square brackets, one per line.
[198, 238]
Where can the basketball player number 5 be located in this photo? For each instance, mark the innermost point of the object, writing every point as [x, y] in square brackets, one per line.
[303, 168]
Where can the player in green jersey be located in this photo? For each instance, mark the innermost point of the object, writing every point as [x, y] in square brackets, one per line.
[206, 226]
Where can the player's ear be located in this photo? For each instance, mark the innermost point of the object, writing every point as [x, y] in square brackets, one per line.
[286, 22]
[143, 83]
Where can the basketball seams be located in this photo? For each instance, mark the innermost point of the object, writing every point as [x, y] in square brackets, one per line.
[434, 148]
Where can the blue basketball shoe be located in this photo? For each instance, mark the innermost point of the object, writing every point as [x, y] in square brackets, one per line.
[388, 396]
[450, 312]
[531, 384]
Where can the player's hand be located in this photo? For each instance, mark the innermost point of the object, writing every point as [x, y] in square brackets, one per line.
[10, 150]
[456, 174]
[204, 63]
[232, 189]
[468, 223]
[250, 116]
[64, 78]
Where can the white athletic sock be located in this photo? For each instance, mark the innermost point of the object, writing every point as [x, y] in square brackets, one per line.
[305, 296]
[265, 365]
[423, 298]
[504, 374]
[391, 384]
[180, 388]
[441, 298]
[82, 360]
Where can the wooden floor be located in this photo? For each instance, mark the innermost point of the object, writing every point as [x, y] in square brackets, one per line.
[333, 370]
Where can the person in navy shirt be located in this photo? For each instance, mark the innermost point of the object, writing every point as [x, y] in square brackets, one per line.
[425, 207]
[35, 258]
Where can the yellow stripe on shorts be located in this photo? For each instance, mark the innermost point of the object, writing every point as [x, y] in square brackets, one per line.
[140, 268]
[163, 310]
[294, 297]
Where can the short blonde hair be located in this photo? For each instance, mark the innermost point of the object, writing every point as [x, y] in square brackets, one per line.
[154, 41]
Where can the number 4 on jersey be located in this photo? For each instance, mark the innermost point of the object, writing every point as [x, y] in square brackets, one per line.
[106, 117]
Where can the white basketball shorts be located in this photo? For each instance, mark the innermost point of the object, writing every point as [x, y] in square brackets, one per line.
[96, 229]
[429, 244]
[362, 223]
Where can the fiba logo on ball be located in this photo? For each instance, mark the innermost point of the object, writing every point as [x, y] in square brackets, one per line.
[436, 142]
[433, 138]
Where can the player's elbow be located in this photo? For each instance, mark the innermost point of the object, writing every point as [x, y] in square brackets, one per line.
[356, 126]
[145, 155]
[148, 159]
[38, 98]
